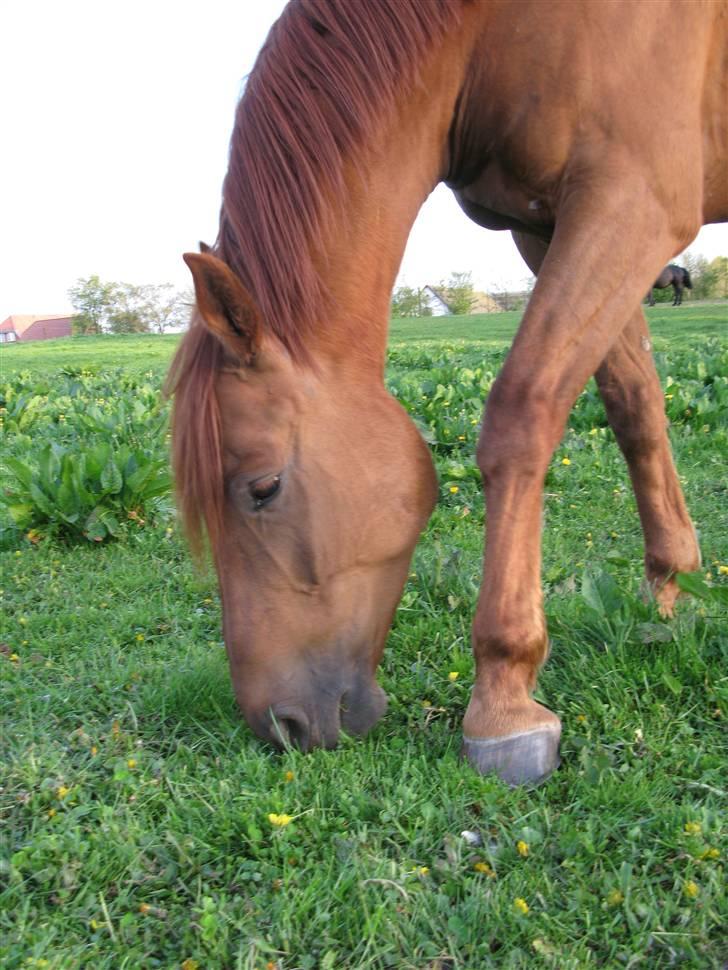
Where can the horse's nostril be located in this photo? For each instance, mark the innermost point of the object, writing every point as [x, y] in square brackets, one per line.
[290, 728]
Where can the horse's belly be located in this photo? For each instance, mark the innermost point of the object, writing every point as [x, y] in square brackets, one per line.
[496, 200]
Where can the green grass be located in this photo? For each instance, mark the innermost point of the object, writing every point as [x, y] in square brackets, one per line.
[134, 802]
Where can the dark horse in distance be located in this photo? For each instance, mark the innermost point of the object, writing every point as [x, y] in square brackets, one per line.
[675, 276]
[309, 479]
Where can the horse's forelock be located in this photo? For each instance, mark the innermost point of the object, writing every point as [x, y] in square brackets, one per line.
[196, 436]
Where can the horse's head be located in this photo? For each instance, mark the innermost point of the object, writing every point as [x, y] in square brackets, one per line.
[314, 486]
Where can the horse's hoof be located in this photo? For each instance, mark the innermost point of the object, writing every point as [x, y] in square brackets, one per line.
[523, 758]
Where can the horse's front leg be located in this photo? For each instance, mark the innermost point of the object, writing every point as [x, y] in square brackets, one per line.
[632, 395]
[567, 330]
[633, 400]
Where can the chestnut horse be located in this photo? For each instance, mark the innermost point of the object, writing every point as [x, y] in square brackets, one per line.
[311, 482]
[674, 276]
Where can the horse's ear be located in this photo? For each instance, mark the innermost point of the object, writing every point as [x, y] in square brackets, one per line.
[204, 248]
[225, 306]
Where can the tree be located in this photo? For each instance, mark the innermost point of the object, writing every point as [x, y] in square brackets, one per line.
[127, 308]
[459, 293]
[130, 310]
[719, 270]
[92, 300]
[407, 302]
[171, 307]
[702, 276]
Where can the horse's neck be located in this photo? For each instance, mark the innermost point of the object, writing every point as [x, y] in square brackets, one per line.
[364, 250]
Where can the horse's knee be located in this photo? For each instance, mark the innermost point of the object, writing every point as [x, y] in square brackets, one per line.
[521, 428]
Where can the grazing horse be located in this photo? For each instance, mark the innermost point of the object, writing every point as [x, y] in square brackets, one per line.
[675, 276]
[310, 481]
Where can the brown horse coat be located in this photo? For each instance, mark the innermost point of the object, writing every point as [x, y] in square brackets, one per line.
[540, 114]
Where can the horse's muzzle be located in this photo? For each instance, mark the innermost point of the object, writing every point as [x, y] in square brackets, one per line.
[316, 721]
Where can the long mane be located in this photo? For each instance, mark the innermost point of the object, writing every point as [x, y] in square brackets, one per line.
[325, 80]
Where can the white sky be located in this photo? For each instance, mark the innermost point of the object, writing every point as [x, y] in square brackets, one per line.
[115, 120]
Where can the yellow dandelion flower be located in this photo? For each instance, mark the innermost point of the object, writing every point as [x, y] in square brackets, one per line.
[521, 906]
[279, 821]
[615, 898]
[453, 675]
[144, 908]
[711, 854]
[723, 570]
[693, 828]
[566, 461]
[483, 868]
[581, 718]
[62, 791]
[51, 812]
[139, 637]
[522, 848]
[190, 964]
[691, 889]
[422, 870]
[454, 489]
[131, 763]
[94, 749]
[593, 431]
[289, 776]
[14, 658]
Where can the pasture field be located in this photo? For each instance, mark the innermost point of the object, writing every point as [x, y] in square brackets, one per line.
[143, 826]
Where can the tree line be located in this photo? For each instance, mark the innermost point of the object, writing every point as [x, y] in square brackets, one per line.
[709, 279]
[103, 307]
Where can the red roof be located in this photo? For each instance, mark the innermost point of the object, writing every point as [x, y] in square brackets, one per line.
[37, 327]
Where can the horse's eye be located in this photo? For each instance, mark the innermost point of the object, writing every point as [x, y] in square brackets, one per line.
[264, 489]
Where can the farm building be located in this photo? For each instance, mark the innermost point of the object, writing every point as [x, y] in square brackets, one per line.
[433, 299]
[27, 326]
[483, 303]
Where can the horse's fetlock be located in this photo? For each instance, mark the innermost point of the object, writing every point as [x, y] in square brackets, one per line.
[512, 646]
